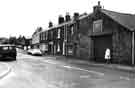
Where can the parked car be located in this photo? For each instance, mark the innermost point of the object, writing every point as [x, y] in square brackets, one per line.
[8, 52]
[34, 52]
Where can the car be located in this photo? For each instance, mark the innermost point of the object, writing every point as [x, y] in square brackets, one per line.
[8, 52]
[29, 51]
[34, 52]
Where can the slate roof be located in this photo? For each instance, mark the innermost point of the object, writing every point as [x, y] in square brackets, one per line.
[83, 16]
[126, 20]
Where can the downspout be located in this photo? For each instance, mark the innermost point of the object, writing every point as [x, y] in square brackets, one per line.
[133, 48]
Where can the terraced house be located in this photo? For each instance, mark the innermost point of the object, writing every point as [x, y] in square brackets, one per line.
[87, 36]
[36, 38]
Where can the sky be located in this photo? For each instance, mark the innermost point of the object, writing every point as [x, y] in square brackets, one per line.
[22, 17]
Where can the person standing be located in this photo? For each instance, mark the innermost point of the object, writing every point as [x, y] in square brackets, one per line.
[107, 55]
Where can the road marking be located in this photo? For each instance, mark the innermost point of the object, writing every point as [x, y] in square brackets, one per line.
[68, 67]
[84, 76]
[7, 78]
[125, 78]
[3, 74]
[51, 86]
[90, 71]
[76, 68]
[49, 61]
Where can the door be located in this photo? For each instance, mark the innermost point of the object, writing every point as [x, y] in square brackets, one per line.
[101, 43]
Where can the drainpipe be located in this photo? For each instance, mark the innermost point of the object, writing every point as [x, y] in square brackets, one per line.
[133, 48]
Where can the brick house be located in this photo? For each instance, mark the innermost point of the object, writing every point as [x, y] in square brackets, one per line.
[112, 30]
[36, 38]
[58, 37]
[81, 40]
[44, 41]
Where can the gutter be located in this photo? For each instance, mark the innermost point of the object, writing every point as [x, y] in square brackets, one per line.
[133, 47]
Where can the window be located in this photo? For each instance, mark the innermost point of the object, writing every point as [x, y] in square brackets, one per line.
[52, 34]
[5, 48]
[10, 48]
[97, 26]
[46, 35]
[72, 30]
[58, 33]
[42, 35]
[58, 48]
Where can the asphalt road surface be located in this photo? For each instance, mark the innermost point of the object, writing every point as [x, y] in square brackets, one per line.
[47, 72]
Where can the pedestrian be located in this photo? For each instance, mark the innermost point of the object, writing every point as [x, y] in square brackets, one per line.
[107, 55]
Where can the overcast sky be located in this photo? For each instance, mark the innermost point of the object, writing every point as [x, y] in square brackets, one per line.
[22, 17]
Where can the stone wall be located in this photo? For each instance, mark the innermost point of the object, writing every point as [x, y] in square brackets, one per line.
[122, 46]
[83, 50]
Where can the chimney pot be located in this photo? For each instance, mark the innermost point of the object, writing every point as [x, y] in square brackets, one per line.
[76, 15]
[67, 17]
[97, 7]
[98, 3]
[60, 19]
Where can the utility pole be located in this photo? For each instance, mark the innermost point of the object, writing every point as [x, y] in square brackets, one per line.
[133, 47]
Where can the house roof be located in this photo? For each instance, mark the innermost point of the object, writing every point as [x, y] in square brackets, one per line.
[126, 20]
[84, 15]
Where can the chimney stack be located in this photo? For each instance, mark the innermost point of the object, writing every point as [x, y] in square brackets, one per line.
[99, 3]
[67, 17]
[60, 19]
[76, 15]
[39, 29]
[97, 7]
[50, 24]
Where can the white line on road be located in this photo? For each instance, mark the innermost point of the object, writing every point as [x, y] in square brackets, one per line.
[51, 86]
[125, 78]
[68, 67]
[76, 68]
[90, 71]
[85, 76]
[5, 72]
[49, 61]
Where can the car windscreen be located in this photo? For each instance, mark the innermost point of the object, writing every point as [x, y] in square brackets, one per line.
[5, 48]
[11, 47]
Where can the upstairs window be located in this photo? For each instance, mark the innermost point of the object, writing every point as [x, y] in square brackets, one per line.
[46, 35]
[51, 34]
[72, 30]
[43, 35]
[97, 26]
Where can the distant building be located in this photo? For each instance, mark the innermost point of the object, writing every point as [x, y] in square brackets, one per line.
[3, 40]
[36, 38]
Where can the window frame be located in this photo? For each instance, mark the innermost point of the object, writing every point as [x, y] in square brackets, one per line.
[100, 23]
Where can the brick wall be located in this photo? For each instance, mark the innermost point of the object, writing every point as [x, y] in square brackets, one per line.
[122, 46]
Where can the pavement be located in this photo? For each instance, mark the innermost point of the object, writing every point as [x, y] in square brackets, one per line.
[4, 70]
[95, 64]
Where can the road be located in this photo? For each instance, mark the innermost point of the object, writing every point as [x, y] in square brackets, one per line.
[47, 72]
